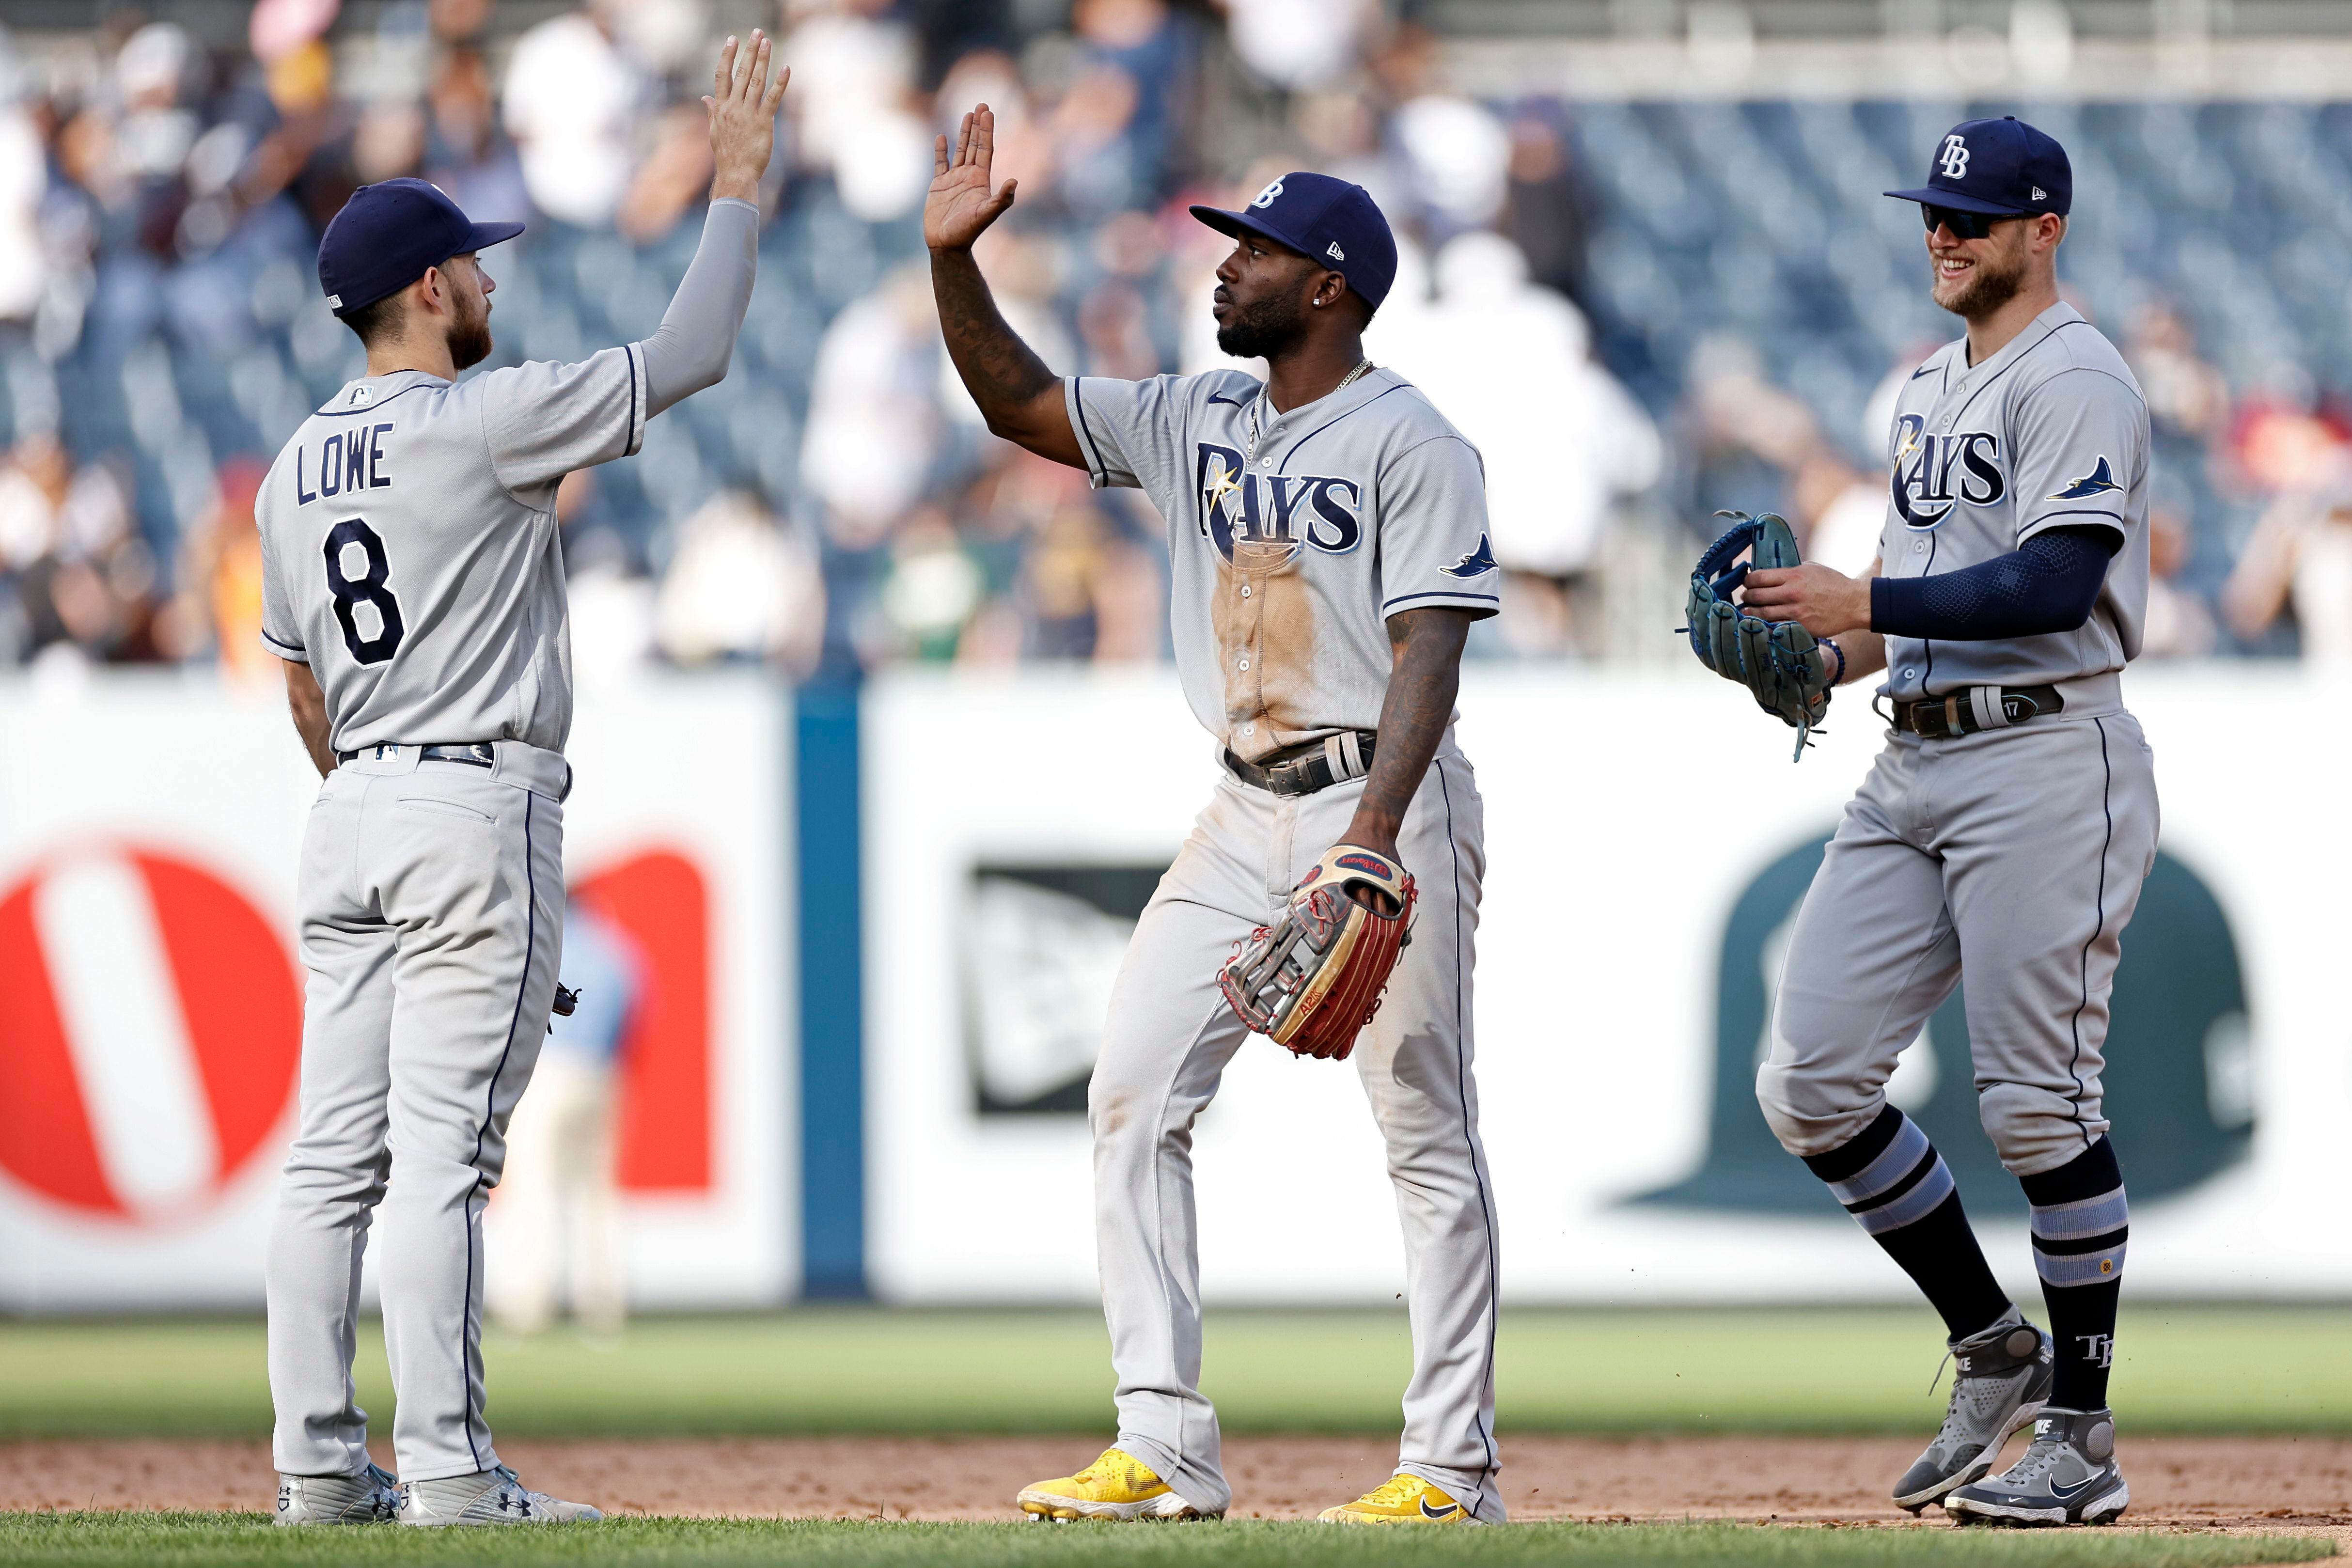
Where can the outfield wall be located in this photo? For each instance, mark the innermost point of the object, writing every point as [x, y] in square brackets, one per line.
[149, 992]
[1647, 843]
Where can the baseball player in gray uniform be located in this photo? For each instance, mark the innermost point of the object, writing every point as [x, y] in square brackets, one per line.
[1327, 542]
[414, 586]
[1999, 842]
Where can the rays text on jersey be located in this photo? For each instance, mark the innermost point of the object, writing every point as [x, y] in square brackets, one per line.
[1293, 510]
[1931, 474]
[348, 461]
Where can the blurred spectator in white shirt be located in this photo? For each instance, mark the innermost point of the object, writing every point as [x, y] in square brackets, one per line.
[1511, 366]
[1460, 154]
[1564, 444]
[2300, 559]
[874, 427]
[1295, 44]
[852, 102]
[1840, 512]
[24, 179]
[572, 101]
[33, 484]
[743, 585]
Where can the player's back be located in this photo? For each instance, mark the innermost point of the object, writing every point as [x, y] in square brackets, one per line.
[410, 536]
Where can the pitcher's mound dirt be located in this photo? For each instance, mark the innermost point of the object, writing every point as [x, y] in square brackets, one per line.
[2275, 1483]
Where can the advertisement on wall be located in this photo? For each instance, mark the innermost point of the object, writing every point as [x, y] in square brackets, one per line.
[151, 987]
[1647, 847]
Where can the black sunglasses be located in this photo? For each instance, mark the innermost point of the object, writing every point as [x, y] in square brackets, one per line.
[1966, 226]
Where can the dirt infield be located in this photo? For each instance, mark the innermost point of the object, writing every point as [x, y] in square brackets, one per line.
[2271, 1483]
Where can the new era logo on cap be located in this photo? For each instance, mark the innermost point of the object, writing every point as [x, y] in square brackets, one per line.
[1334, 252]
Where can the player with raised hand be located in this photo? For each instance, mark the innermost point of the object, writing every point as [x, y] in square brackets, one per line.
[414, 584]
[1328, 551]
[2001, 841]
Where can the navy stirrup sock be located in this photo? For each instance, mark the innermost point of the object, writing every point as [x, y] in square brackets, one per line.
[1890, 1178]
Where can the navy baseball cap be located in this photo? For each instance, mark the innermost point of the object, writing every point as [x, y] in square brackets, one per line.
[388, 233]
[2001, 168]
[1336, 223]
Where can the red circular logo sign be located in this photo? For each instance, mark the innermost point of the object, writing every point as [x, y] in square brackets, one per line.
[151, 1031]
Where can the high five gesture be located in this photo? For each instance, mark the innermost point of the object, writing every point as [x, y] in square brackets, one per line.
[962, 203]
[742, 108]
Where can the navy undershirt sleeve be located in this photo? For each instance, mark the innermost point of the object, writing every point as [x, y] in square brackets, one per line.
[2049, 584]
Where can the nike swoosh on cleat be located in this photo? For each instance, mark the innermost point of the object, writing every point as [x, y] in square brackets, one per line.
[2068, 1494]
[1448, 1511]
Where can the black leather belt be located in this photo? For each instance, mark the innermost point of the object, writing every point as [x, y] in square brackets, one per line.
[1941, 718]
[478, 755]
[1305, 769]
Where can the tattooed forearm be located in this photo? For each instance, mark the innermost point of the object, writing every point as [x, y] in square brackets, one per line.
[1001, 369]
[1427, 673]
[1018, 394]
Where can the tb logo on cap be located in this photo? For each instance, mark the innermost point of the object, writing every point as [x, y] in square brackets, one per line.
[1265, 198]
[1954, 164]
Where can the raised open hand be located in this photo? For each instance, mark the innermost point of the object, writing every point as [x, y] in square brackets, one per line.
[742, 108]
[960, 205]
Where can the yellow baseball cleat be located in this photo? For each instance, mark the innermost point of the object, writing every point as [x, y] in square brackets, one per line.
[1116, 1485]
[1400, 1499]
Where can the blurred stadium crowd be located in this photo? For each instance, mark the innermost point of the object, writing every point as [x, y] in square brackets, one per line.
[1639, 311]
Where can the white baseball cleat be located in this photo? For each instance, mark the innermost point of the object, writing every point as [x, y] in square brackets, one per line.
[367, 1497]
[485, 1497]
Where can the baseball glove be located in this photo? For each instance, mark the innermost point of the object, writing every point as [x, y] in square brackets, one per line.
[1779, 661]
[1313, 979]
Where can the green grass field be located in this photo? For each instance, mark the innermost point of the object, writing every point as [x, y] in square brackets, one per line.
[2178, 1370]
[198, 1541]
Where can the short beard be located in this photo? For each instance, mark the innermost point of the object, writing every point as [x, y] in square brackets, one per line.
[1263, 329]
[470, 334]
[1987, 288]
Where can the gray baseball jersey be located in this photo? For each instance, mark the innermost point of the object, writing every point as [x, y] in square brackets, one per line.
[409, 549]
[410, 557]
[2050, 432]
[1290, 549]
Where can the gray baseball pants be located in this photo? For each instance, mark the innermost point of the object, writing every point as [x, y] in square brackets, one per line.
[432, 921]
[2007, 862]
[1169, 1038]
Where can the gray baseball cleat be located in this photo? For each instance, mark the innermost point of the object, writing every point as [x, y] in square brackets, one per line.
[2067, 1477]
[367, 1497]
[487, 1497]
[2003, 1382]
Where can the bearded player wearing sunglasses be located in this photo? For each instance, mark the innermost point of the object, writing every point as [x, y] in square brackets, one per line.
[2000, 841]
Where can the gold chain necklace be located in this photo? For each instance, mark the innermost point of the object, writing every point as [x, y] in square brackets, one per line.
[1363, 367]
